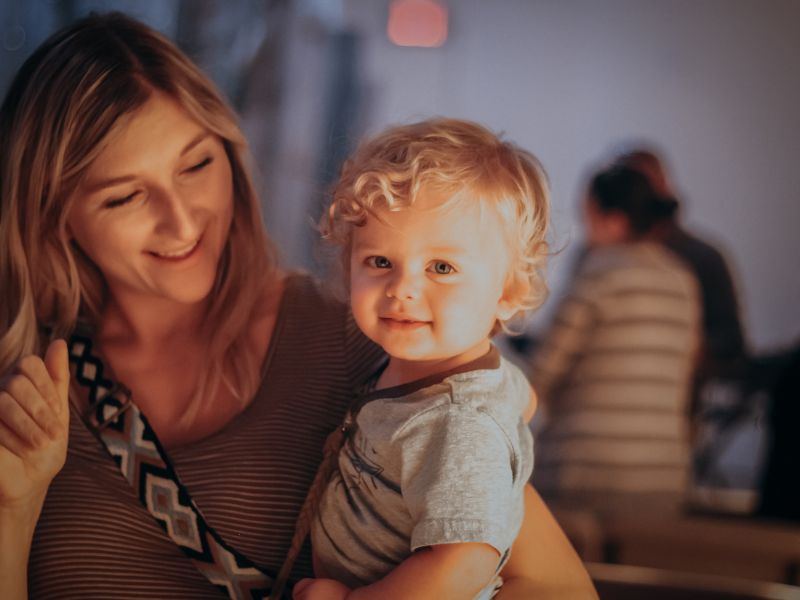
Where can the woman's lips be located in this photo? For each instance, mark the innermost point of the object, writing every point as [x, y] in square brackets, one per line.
[179, 255]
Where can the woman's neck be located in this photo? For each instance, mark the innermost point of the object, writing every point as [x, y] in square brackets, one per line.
[147, 323]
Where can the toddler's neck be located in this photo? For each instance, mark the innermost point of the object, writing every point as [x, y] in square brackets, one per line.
[400, 371]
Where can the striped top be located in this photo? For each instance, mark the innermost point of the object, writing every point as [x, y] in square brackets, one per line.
[95, 540]
[614, 373]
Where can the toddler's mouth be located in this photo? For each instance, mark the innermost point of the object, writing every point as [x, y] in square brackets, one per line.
[403, 323]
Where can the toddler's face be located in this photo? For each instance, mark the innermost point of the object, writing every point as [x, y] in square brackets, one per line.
[427, 282]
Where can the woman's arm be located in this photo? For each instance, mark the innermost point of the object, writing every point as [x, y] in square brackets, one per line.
[441, 571]
[34, 422]
[543, 563]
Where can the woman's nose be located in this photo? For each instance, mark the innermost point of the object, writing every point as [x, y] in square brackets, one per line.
[176, 217]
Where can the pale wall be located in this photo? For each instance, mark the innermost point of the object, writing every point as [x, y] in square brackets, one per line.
[715, 83]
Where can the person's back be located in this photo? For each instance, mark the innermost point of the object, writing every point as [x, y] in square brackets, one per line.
[723, 349]
[614, 371]
[724, 344]
[617, 424]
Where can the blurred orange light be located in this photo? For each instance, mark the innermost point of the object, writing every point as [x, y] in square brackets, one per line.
[418, 23]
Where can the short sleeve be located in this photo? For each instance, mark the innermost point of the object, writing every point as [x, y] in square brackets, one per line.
[456, 477]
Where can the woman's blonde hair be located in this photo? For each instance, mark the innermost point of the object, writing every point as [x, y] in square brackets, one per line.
[458, 158]
[64, 102]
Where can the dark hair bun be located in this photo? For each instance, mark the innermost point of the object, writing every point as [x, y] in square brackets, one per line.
[627, 191]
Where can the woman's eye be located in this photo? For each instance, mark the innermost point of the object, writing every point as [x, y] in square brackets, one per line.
[200, 166]
[115, 202]
[379, 262]
[441, 268]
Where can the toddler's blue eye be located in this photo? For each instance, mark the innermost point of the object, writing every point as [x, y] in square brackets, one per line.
[442, 268]
[379, 262]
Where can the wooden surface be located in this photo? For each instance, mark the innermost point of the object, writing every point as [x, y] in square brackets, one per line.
[724, 546]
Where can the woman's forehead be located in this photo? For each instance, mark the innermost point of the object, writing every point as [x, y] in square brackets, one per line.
[158, 130]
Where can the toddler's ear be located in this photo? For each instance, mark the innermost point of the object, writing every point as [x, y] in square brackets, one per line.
[515, 291]
[505, 311]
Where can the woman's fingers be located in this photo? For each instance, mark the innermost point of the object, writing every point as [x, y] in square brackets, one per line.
[12, 442]
[34, 369]
[34, 391]
[56, 361]
[16, 400]
[33, 399]
[34, 425]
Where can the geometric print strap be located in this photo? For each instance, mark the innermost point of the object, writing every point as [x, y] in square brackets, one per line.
[133, 445]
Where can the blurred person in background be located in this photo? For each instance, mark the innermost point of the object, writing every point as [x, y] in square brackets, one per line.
[613, 371]
[723, 350]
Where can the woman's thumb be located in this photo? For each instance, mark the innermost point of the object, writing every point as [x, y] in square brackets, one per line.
[56, 360]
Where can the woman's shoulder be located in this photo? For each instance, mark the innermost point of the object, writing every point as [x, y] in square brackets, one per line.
[312, 313]
[306, 294]
[640, 266]
[606, 260]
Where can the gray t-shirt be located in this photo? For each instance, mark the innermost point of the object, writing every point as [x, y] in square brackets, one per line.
[441, 460]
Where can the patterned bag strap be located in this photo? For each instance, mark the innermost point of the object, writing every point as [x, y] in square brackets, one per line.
[131, 442]
[308, 512]
[330, 462]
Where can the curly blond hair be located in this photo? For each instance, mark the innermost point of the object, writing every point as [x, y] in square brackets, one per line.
[460, 159]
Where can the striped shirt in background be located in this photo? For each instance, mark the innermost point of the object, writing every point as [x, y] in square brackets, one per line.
[613, 374]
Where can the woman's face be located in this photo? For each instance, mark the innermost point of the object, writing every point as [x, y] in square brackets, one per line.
[156, 206]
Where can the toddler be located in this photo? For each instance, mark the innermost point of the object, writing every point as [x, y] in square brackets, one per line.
[442, 229]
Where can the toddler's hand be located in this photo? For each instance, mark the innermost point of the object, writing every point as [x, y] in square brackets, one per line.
[320, 589]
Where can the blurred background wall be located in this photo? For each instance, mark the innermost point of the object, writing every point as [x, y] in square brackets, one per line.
[714, 84]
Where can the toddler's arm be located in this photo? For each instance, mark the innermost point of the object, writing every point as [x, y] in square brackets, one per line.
[443, 571]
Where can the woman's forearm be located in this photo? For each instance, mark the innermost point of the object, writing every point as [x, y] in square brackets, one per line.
[17, 525]
[543, 563]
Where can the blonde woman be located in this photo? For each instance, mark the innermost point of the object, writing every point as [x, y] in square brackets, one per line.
[166, 448]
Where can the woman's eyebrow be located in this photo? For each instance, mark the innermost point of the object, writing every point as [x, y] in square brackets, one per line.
[98, 185]
[195, 140]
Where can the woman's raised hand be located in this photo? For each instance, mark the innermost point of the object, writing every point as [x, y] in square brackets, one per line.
[34, 423]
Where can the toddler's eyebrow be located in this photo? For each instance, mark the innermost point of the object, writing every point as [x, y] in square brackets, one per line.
[447, 250]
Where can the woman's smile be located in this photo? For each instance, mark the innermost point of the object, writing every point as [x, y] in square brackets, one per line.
[180, 255]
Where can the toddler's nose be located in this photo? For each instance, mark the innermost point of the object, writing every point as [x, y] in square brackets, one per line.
[403, 285]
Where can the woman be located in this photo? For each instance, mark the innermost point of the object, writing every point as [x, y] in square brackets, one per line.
[130, 228]
[614, 369]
